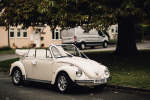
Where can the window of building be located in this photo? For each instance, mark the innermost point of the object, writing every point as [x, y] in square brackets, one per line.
[12, 34]
[18, 33]
[24, 34]
[56, 34]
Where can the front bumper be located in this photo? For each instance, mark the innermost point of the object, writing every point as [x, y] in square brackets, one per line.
[92, 82]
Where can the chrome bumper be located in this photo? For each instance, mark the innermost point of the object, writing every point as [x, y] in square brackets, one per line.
[91, 82]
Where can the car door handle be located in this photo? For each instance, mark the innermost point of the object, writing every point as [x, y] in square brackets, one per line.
[34, 62]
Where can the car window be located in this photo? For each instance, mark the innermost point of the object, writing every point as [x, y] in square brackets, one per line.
[56, 52]
[71, 49]
[40, 53]
[31, 53]
[49, 54]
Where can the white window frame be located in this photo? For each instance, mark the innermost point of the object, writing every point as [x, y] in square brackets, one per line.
[11, 30]
[18, 30]
[59, 34]
[25, 30]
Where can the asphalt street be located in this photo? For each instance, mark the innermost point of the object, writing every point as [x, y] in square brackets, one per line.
[40, 91]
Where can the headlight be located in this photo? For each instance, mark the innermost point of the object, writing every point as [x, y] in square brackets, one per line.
[79, 73]
[107, 72]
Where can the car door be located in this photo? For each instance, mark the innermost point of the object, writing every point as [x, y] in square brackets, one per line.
[28, 62]
[100, 36]
[43, 67]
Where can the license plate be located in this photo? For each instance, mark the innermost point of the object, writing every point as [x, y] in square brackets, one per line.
[100, 81]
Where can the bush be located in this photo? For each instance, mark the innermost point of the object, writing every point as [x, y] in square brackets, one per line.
[5, 48]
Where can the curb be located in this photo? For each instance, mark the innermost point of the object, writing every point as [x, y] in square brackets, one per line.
[129, 89]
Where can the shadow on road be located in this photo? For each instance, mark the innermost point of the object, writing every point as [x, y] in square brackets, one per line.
[74, 90]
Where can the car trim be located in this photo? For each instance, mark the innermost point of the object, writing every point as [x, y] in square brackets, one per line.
[37, 80]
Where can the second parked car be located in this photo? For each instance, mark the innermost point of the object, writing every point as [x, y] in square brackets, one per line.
[83, 39]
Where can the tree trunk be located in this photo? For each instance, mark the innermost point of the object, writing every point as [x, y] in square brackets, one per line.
[8, 38]
[126, 44]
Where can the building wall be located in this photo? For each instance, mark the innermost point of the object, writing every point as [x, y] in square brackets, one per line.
[3, 37]
[39, 39]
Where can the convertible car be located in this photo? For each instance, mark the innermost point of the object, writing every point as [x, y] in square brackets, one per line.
[59, 65]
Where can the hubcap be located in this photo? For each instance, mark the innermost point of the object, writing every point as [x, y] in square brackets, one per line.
[105, 44]
[17, 76]
[62, 83]
[82, 46]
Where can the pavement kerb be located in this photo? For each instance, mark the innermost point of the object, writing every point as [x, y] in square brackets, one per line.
[128, 89]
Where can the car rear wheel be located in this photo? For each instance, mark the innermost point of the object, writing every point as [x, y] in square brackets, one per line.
[63, 82]
[82, 46]
[105, 44]
[17, 78]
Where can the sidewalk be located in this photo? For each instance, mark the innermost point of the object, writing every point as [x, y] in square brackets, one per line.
[4, 57]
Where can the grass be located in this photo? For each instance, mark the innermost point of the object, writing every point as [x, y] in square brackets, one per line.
[10, 51]
[126, 71]
[5, 65]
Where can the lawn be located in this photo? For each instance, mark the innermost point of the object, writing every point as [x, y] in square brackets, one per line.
[5, 65]
[9, 51]
[125, 71]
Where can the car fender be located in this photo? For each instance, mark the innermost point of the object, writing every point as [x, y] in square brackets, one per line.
[19, 65]
[70, 70]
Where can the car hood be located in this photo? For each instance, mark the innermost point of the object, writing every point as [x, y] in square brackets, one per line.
[90, 67]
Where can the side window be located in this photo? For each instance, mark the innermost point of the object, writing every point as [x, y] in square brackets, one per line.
[31, 53]
[100, 33]
[41, 53]
[56, 52]
[48, 54]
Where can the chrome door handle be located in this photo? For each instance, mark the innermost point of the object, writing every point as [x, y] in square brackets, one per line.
[34, 62]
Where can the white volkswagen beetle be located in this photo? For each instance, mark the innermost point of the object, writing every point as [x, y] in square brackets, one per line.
[60, 65]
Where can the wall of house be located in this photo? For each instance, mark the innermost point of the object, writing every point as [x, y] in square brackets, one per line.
[19, 41]
[3, 37]
[38, 39]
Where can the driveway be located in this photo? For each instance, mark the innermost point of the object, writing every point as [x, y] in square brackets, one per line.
[39, 91]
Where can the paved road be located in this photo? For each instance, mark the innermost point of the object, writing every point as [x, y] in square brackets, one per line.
[140, 46]
[38, 91]
[7, 56]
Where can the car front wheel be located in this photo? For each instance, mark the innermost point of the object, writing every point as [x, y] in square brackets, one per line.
[63, 82]
[17, 78]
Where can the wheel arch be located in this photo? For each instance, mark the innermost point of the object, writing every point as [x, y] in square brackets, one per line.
[67, 70]
[17, 65]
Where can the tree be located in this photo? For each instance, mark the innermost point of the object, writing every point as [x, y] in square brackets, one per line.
[70, 13]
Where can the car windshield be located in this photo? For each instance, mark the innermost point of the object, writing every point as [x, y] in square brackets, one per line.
[66, 51]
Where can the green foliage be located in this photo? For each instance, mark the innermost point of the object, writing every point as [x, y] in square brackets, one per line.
[131, 71]
[70, 13]
[5, 65]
